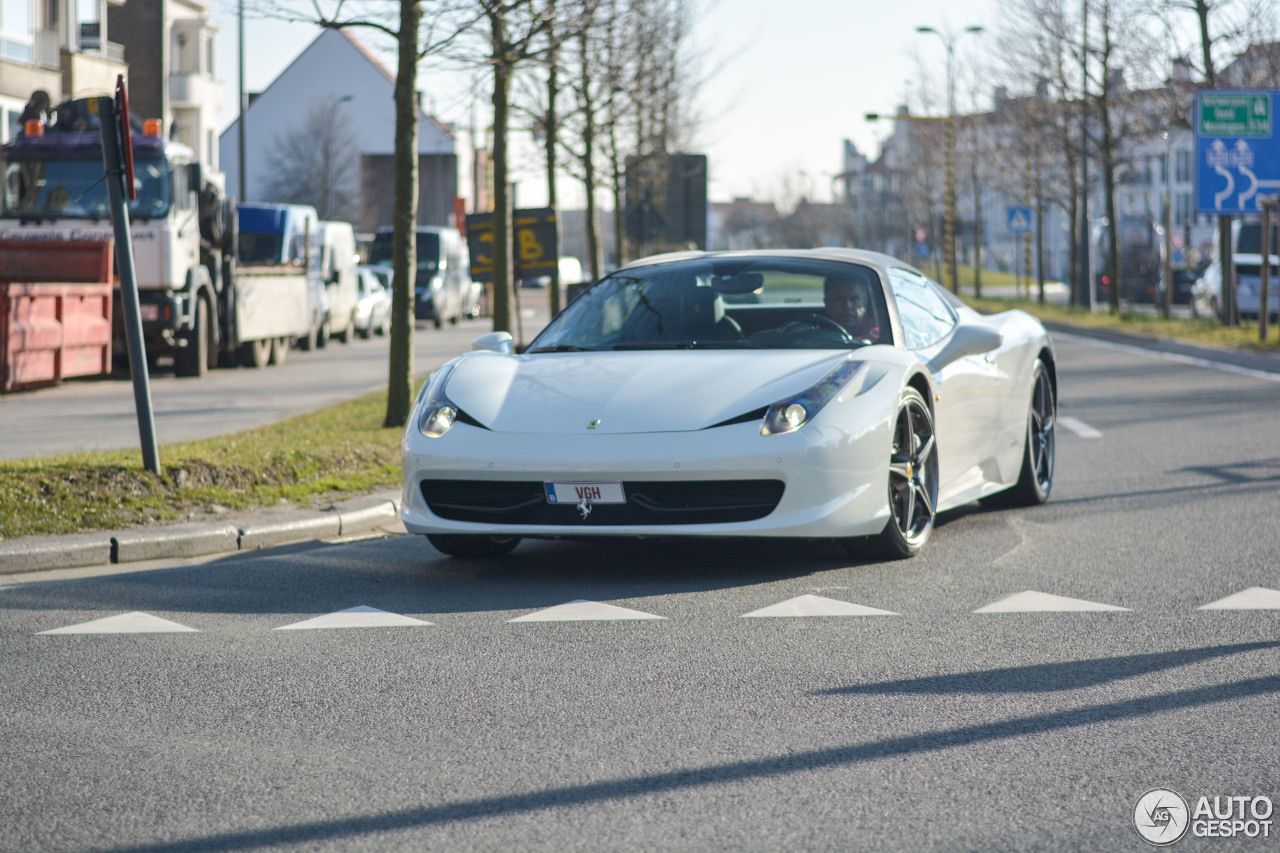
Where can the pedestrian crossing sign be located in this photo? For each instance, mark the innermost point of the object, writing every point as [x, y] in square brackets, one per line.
[1019, 220]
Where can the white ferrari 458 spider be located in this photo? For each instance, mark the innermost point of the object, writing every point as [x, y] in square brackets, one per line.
[826, 393]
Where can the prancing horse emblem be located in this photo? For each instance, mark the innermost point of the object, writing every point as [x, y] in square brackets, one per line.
[584, 509]
[594, 424]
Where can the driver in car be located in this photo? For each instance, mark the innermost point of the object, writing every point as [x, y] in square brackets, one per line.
[847, 302]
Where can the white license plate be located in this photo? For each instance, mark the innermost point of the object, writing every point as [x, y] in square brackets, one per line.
[593, 493]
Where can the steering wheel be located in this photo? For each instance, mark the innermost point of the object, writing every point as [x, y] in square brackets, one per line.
[822, 321]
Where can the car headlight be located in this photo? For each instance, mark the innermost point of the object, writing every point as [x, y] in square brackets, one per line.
[792, 413]
[438, 412]
[437, 283]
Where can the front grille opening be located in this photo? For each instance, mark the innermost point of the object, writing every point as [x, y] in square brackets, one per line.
[648, 503]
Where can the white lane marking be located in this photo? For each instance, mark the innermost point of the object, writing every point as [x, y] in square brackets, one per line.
[1042, 602]
[581, 610]
[1079, 427]
[1253, 598]
[816, 605]
[361, 616]
[136, 622]
[1173, 356]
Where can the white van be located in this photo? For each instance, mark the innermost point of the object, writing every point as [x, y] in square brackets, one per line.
[442, 286]
[338, 262]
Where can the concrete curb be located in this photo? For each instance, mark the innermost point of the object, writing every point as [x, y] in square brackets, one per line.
[99, 548]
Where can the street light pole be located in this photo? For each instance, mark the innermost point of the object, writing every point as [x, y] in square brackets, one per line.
[949, 200]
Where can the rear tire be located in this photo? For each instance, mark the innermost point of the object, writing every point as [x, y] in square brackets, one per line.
[1035, 479]
[455, 545]
[310, 341]
[346, 335]
[279, 350]
[256, 354]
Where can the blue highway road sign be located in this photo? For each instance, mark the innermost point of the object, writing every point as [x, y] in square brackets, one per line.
[1019, 219]
[1237, 150]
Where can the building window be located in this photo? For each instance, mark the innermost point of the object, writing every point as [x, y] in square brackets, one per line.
[17, 37]
[1183, 169]
[208, 56]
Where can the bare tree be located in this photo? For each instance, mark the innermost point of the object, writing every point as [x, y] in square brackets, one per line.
[415, 37]
[317, 163]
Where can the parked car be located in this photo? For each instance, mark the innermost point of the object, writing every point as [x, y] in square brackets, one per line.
[373, 309]
[338, 261]
[1207, 292]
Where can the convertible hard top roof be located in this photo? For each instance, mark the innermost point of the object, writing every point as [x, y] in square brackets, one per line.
[861, 256]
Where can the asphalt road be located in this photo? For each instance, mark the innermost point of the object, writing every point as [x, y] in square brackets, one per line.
[930, 727]
[99, 413]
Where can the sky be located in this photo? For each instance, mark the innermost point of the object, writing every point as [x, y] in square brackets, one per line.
[786, 81]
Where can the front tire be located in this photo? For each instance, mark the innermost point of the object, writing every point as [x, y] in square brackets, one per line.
[913, 480]
[455, 545]
[195, 358]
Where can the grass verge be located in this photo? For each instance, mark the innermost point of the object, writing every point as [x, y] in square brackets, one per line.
[305, 460]
[1196, 330]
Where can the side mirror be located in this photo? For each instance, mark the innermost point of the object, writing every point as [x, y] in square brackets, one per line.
[194, 177]
[966, 340]
[499, 342]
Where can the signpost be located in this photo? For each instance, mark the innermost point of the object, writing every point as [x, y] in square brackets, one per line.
[1019, 220]
[535, 244]
[1237, 159]
[1237, 150]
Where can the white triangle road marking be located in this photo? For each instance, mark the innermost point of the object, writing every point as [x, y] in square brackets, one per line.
[1253, 598]
[1079, 427]
[136, 622]
[360, 616]
[1042, 602]
[816, 605]
[581, 610]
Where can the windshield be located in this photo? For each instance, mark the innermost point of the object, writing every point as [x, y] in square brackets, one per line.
[751, 303]
[1250, 240]
[427, 252]
[75, 189]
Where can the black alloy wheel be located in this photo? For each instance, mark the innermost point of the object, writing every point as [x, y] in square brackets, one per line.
[1035, 479]
[913, 480]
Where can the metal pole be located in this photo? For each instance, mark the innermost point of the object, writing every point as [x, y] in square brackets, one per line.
[241, 167]
[113, 163]
[1264, 296]
[1166, 308]
[1085, 295]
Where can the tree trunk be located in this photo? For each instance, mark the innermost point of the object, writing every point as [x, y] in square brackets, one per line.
[503, 268]
[594, 255]
[404, 219]
[552, 133]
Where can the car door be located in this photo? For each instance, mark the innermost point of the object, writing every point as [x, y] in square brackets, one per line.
[966, 410]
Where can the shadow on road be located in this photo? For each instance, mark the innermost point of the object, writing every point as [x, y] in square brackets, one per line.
[569, 796]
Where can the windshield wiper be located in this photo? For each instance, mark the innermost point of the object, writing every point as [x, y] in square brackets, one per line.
[562, 348]
[685, 345]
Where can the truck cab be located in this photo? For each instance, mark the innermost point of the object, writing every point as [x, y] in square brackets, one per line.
[52, 188]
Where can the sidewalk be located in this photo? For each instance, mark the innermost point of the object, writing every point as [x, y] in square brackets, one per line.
[370, 513]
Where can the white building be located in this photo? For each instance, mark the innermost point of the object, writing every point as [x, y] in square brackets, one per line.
[337, 68]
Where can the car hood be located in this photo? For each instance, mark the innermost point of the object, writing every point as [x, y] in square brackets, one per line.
[628, 392]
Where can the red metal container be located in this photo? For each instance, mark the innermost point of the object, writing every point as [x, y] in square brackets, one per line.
[55, 311]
